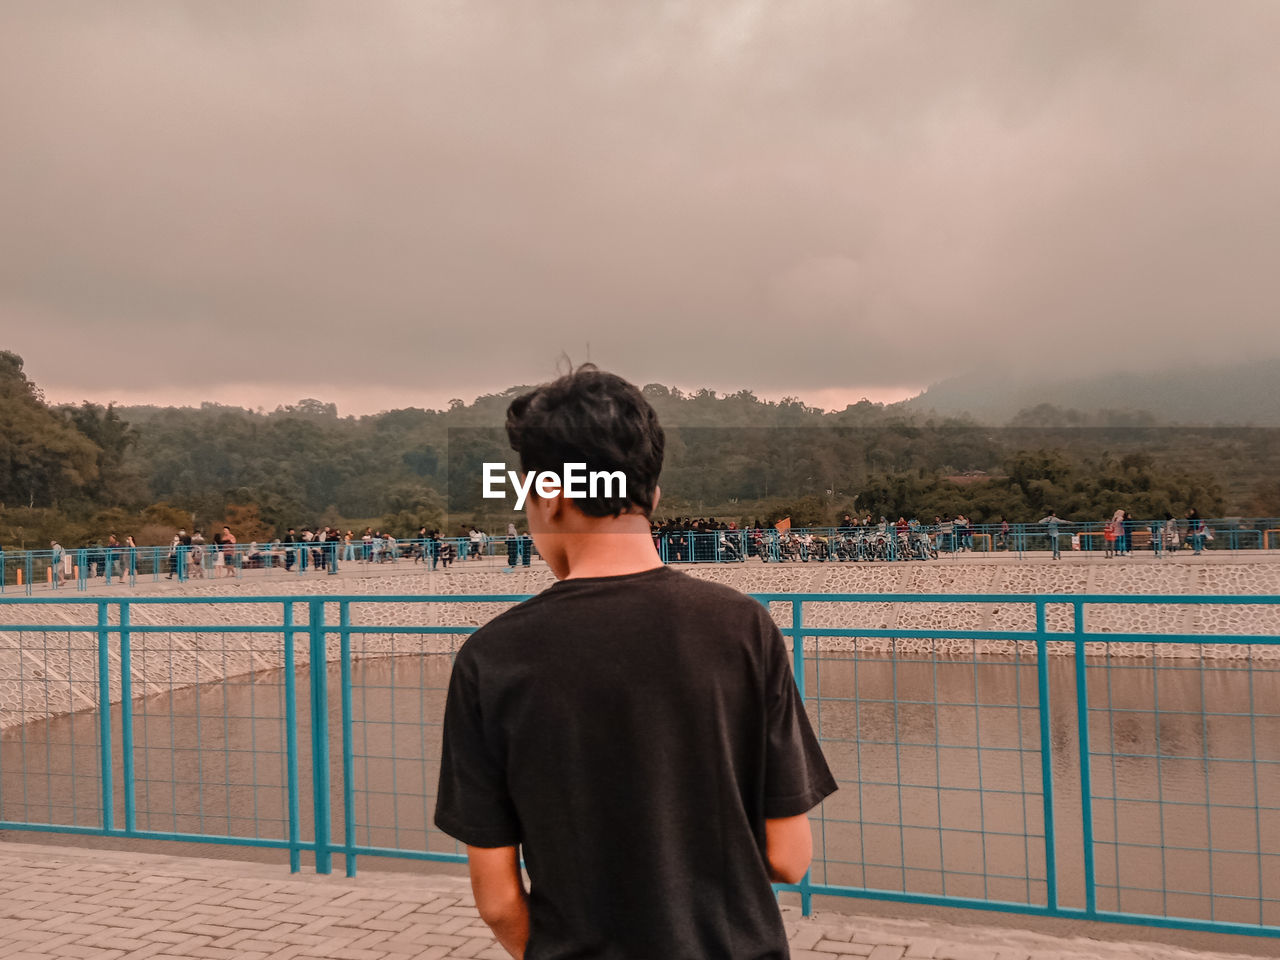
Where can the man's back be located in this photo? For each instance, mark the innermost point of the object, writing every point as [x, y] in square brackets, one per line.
[632, 733]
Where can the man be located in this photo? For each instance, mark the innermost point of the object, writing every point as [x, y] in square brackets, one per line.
[196, 556]
[184, 553]
[1051, 530]
[634, 732]
[113, 558]
[290, 539]
[513, 546]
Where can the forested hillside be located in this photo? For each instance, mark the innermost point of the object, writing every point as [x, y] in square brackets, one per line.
[81, 472]
[1185, 392]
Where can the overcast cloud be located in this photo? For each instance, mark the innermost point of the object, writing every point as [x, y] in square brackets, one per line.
[434, 199]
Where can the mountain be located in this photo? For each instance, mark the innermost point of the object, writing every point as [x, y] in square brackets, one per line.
[1186, 393]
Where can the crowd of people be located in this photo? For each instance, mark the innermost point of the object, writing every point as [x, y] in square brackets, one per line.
[192, 556]
[679, 540]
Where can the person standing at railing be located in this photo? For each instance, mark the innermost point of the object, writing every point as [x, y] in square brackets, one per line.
[228, 548]
[1170, 532]
[290, 549]
[1197, 532]
[181, 554]
[56, 558]
[196, 556]
[946, 534]
[322, 548]
[635, 731]
[113, 558]
[513, 546]
[1052, 522]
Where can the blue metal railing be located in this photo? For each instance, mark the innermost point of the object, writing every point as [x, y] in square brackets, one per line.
[32, 570]
[891, 541]
[29, 570]
[1064, 755]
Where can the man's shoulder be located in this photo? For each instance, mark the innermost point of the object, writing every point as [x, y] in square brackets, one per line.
[691, 589]
[666, 590]
[675, 589]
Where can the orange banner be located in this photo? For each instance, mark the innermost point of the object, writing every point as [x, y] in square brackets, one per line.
[783, 525]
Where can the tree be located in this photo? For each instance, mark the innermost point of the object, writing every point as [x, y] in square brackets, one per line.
[43, 458]
[114, 437]
[246, 523]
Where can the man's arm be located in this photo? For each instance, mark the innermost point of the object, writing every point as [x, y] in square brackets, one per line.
[500, 895]
[788, 848]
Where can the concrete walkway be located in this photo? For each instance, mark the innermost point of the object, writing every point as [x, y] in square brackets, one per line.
[56, 902]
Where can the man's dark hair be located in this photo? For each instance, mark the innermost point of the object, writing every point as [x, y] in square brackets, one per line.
[592, 417]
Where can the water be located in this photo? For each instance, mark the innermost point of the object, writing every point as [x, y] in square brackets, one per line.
[938, 759]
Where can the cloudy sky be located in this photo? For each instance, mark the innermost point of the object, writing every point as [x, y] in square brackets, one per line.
[394, 203]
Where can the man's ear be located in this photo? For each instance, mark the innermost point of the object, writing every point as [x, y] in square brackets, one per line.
[550, 510]
[554, 508]
[657, 495]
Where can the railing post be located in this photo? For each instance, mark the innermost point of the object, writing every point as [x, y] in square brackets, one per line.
[1086, 779]
[797, 669]
[104, 718]
[126, 718]
[320, 735]
[1046, 759]
[291, 739]
[348, 748]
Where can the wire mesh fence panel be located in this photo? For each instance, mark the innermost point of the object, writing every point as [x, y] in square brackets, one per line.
[210, 733]
[50, 728]
[939, 764]
[1184, 758]
[397, 708]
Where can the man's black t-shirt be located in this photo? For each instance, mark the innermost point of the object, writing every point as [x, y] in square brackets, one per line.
[632, 733]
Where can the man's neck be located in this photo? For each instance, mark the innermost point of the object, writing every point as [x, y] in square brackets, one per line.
[620, 550]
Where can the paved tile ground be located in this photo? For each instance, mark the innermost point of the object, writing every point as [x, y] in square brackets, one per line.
[98, 905]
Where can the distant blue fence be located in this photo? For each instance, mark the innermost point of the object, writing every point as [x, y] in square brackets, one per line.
[995, 759]
[44, 569]
[912, 541]
[80, 567]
